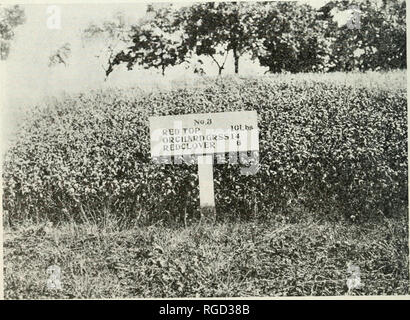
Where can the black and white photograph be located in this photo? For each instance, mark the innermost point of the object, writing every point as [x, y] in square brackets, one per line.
[208, 149]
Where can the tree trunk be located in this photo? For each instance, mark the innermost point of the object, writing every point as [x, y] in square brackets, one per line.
[236, 57]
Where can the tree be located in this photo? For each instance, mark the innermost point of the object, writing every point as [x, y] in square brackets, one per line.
[291, 38]
[111, 35]
[215, 29]
[157, 42]
[391, 45]
[10, 18]
[60, 56]
[376, 41]
[384, 31]
[281, 35]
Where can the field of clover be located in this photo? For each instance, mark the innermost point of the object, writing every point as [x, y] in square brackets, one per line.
[331, 149]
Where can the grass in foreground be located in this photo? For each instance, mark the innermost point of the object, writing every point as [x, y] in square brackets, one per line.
[225, 260]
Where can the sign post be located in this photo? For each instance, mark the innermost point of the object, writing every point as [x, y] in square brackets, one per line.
[204, 135]
[206, 187]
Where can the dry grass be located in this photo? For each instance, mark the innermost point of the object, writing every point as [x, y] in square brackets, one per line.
[225, 260]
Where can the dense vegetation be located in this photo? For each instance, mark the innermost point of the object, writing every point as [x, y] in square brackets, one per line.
[327, 148]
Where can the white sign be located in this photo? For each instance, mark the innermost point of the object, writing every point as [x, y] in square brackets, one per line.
[205, 133]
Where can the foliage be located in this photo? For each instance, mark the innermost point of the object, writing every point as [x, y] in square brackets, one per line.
[60, 56]
[377, 42]
[10, 18]
[333, 149]
[291, 38]
[113, 33]
[214, 29]
[156, 43]
[284, 36]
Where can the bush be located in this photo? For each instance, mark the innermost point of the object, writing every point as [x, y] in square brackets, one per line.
[329, 148]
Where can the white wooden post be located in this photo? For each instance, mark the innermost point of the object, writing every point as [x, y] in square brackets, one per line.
[206, 187]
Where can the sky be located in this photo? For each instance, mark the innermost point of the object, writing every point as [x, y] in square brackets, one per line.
[27, 71]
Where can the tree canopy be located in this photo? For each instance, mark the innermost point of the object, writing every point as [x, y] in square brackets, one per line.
[156, 42]
[283, 36]
[10, 18]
